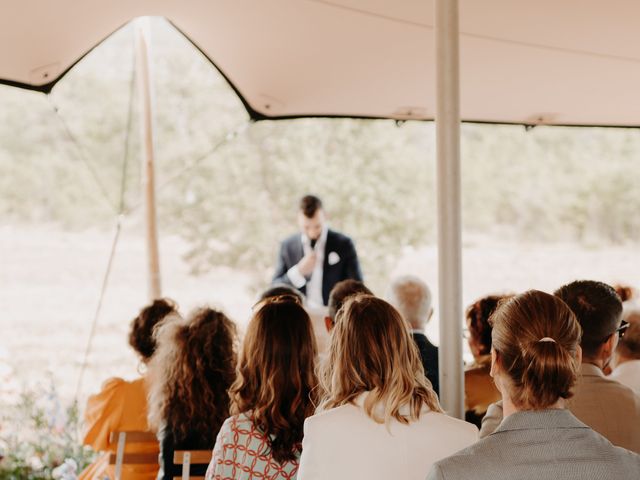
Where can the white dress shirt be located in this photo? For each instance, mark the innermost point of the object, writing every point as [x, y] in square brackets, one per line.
[314, 284]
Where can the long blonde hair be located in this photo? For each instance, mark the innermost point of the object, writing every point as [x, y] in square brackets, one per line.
[372, 351]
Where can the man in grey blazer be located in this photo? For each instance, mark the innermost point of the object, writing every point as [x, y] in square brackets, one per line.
[607, 406]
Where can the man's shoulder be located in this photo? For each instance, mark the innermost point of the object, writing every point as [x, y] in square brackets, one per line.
[607, 387]
[291, 239]
[338, 237]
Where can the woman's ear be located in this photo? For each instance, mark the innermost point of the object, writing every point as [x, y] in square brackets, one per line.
[494, 363]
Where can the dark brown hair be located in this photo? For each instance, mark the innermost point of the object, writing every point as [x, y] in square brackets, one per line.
[276, 383]
[597, 307]
[142, 327]
[478, 314]
[309, 205]
[191, 373]
[536, 338]
[281, 289]
[343, 290]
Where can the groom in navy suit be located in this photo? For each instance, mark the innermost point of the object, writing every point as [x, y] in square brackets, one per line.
[316, 259]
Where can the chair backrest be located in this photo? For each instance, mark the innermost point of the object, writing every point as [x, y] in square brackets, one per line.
[127, 438]
[186, 458]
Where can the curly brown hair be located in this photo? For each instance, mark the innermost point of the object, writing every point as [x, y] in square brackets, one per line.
[276, 384]
[141, 336]
[191, 373]
[477, 315]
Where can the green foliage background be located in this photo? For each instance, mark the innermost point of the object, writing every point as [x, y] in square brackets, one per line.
[235, 202]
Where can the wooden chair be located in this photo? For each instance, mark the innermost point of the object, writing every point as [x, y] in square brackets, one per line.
[120, 458]
[186, 458]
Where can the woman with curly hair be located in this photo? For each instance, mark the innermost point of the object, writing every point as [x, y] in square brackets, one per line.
[535, 361]
[122, 405]
[379, 418]
[190, 376]
[479, 389]
[271, 397]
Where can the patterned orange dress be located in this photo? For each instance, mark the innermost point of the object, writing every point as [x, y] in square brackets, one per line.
[120, 406]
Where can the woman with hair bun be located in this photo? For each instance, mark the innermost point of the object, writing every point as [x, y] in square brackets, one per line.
[535, 360]
[379, 418]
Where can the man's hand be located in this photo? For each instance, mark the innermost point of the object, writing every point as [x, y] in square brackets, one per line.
[307, 264]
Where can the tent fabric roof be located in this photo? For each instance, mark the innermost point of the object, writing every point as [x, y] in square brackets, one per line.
[574, 62]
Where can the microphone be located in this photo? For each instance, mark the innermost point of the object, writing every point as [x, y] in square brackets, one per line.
[313, 243]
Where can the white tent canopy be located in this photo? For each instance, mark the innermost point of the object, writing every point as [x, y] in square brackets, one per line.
[570, 62]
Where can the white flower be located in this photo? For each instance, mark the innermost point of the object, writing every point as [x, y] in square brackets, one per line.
[67, 471]
[35, 462]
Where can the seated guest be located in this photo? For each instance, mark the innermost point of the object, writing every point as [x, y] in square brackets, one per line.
[479, 389]
[627, 355]
[412, 298]
[535, 362]
[605, 405]
[281, 289]
[339, 293]
[379, 417]
[190, 377]
[271, 397]
[122, 405]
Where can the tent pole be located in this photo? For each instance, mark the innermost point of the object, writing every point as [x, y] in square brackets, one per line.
[143, 67]
[449, 207]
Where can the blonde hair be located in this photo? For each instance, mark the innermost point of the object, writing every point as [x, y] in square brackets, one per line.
[536, 338]
[372, 351]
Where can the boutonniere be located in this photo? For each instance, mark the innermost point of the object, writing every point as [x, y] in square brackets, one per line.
[333, 258]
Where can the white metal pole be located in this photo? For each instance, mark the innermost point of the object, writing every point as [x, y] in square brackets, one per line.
[143, 66]
[449, 207]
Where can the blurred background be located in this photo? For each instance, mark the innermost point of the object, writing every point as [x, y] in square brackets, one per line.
[540, 207]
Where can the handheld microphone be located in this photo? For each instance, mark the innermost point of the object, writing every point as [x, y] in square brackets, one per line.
[313, 243]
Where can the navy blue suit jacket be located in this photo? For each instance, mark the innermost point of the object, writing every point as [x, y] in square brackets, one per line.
[292, 251]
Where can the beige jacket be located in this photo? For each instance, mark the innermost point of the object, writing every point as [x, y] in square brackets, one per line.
[344, 443]
[607, 406]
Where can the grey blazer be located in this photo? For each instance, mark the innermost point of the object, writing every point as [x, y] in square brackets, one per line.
[607, 406]
[539, 445]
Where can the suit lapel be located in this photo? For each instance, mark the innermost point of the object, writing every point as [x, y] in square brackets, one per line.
[298, 250]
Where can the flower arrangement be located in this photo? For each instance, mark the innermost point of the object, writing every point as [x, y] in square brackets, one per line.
[40, 438]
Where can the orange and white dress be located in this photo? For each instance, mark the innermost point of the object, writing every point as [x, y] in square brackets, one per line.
[120, 406]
